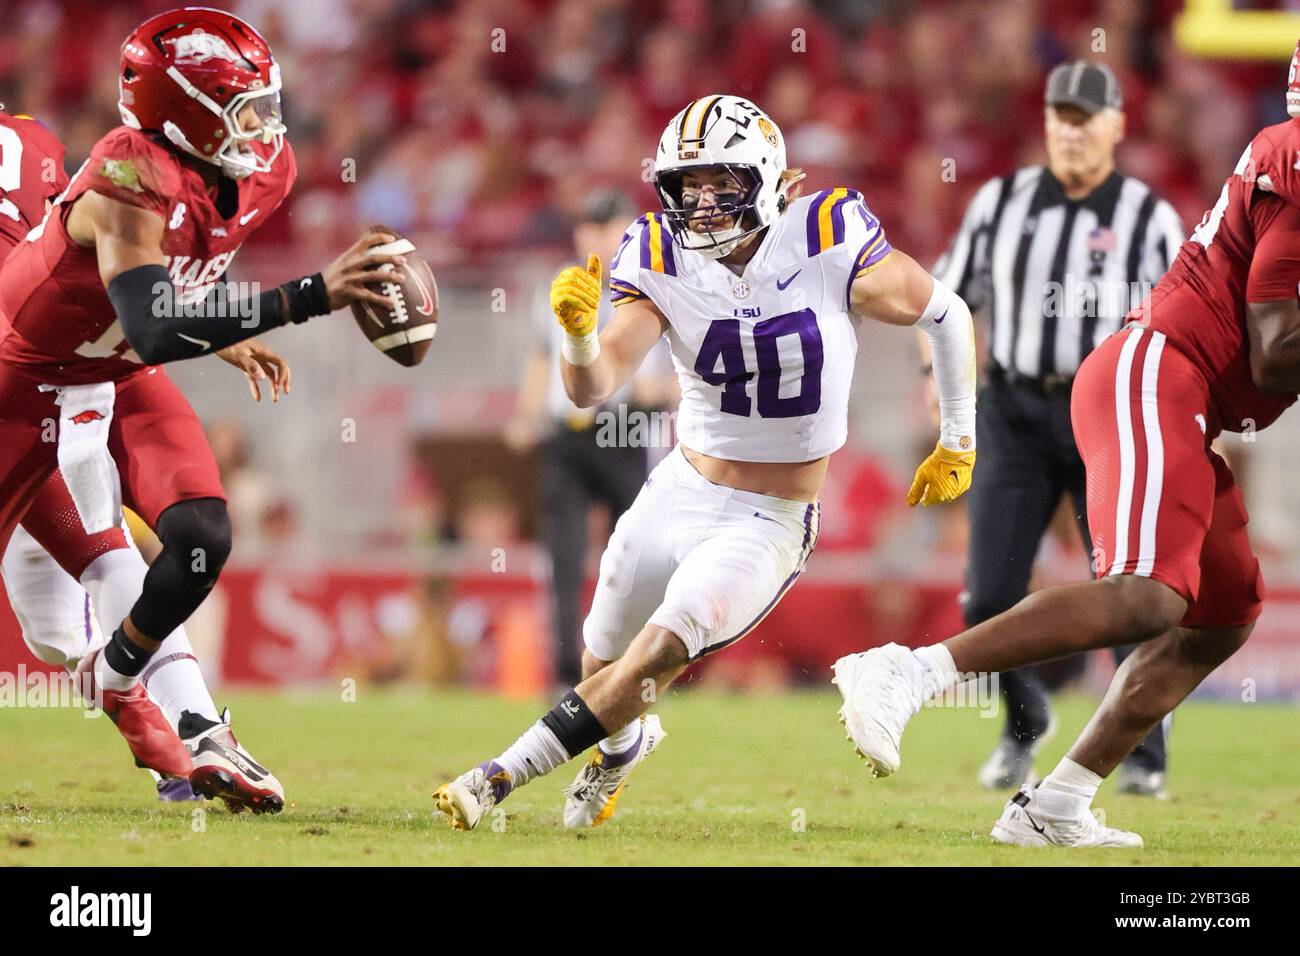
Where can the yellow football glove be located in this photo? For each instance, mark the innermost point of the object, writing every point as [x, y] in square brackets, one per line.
[944, 476]
[575, 297]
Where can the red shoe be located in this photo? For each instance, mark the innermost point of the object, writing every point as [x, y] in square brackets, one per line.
[140, 722]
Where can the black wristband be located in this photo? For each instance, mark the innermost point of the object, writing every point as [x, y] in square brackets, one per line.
[306, 297]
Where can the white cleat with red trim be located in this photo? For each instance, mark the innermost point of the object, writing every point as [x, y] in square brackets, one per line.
[223, 770]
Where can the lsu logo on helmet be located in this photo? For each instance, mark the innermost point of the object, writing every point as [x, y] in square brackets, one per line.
[729, 133]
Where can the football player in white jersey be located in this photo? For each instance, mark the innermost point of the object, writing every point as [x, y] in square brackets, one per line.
[759, 293]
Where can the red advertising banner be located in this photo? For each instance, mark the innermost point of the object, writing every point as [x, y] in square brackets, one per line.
[276, 628]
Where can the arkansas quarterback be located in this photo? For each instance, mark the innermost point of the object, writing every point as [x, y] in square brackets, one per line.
[1215, 348]
[52, 567]
[124, 273]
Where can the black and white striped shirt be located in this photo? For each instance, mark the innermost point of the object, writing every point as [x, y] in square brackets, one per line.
[1056, 275]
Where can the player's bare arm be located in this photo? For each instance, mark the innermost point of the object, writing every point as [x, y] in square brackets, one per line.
[899, 292]
[596, 365]
[128, 248]
[1274, 330]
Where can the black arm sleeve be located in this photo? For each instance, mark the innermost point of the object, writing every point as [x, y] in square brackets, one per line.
[161, 329]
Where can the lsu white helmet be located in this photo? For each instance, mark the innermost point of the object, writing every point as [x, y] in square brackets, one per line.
[730, 133]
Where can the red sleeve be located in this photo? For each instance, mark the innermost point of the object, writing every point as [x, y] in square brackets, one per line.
[1275, 264]
[126, 166]
[30, 151]
[42, 159]
[1273, 155]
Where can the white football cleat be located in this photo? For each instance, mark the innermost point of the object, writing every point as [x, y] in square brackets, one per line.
[593, 796]
[224, 770]
[882, 690]
[1028, 822]
[468, 798]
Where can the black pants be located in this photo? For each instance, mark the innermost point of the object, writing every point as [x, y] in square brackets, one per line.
[1027, 461]
[577, 473]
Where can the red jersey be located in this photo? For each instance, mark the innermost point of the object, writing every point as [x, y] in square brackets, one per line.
[63, 327]
[31, 172]
[1245, 249]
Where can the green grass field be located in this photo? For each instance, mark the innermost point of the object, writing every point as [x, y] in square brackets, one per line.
[732, 782]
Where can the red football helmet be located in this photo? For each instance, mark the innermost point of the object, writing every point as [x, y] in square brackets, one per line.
[1293, 85]
[190, 73]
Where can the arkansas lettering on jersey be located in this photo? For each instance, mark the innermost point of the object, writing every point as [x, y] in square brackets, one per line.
[63, 327]
[31, 172]
[764, 360]
[1245, 249]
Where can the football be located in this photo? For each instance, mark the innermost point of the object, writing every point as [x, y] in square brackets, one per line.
[404, 332]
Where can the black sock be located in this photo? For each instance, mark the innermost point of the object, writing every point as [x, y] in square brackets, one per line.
[574, 725]
[124, 655]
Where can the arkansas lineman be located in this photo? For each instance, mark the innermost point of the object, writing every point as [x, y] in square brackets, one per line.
[123, 274]
[759, 293]
[1215, 348]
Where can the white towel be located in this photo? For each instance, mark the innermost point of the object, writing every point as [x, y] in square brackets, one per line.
[86, 414]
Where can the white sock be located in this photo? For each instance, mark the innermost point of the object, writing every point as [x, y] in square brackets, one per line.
[175, 682]
[108, 678]
[619, 741]
[114, 581]
[940, 671]
[536, 753]
[1072, 779]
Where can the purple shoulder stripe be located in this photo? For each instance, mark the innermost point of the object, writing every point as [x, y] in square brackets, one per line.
[666, 242]
[644, 223]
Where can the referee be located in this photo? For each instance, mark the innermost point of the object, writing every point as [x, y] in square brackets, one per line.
[1055, 256]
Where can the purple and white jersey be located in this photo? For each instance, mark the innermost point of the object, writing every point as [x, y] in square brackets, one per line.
[764, 359]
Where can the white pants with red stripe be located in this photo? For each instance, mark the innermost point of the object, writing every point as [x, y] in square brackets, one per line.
[704, 561]
[1161, 503]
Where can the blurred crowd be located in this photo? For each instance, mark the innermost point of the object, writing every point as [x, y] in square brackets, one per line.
[480, 128]
[484, 124]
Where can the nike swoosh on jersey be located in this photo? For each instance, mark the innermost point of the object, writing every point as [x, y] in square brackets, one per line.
[199, 342]
[243, 220]
[780, 286]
